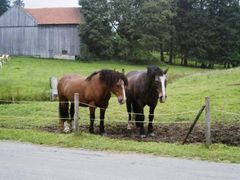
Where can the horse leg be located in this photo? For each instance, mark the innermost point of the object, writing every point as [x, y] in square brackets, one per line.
[102, 116]
[135, 115]
[129, 110]
[63, 114]
[150, 124]
[92, 118]
[72, 116]
[140, 121]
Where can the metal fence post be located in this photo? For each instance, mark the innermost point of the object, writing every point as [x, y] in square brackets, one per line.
[207, 122]
[76, 113]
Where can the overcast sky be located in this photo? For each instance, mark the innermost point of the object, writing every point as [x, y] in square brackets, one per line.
[50, 3]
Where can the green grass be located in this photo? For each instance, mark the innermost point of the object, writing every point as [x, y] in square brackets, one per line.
[27, 80]
[216, 152]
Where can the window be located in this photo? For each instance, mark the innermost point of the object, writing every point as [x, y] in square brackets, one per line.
[64, 52]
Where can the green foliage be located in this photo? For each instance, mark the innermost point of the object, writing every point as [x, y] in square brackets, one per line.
[118, 27]
[96, 32]
[4, 5]
[208, 30]
[19, 3]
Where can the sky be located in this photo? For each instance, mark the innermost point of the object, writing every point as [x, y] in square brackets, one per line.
[50, 3]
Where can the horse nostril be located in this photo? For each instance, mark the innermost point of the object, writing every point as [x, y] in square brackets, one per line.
[121, 100]
[162, 100]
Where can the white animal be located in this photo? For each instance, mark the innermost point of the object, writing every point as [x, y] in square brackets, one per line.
[2, 58]
[6, 57]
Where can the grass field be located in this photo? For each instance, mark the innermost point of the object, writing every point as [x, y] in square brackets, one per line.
[26, 80]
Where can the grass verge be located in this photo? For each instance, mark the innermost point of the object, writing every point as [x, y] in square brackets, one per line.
[217, 152]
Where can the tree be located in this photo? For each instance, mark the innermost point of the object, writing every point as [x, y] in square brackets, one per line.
[126, 25]
[208, 31]
[4, 5]
[156, 17]
[19, 3]
[96, 33]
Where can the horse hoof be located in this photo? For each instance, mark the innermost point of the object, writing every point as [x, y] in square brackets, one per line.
[142, 136]
[151, 134]
[91, 131]
[129, 127]
[104, 134]
[67, 130]
[137, 124]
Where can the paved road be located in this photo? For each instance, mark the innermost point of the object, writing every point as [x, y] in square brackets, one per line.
[27, 161]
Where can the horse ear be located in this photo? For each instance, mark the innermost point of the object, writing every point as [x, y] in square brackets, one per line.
[150, 70]
[165, 72]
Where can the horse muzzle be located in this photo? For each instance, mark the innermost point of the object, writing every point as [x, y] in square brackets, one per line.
[162, 99]
[121, 100]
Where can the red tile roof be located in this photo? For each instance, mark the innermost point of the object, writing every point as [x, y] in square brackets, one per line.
[56, 15]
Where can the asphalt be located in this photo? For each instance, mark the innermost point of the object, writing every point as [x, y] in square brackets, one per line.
[28, 161]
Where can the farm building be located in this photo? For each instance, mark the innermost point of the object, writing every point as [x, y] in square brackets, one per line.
[45, 32]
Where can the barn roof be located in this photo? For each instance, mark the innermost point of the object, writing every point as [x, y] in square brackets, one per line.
[56, 15]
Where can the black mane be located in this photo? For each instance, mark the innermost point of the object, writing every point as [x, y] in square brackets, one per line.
[153, 71]
[109, 77]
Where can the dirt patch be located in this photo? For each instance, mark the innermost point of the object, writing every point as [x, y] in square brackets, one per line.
[220, 133]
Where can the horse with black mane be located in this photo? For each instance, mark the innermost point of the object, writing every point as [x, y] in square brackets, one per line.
[145, 88]
[94, 91]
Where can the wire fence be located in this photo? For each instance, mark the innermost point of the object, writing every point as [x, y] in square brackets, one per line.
[121, 115]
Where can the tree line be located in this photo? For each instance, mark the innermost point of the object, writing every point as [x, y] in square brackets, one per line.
[206, 32]
[5, 5]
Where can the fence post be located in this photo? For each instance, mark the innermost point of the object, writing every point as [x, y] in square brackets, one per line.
[53, 86]
[76, 113]
[193, 124]
[207, 121]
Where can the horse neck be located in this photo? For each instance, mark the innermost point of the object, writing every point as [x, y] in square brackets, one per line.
[99, 86]
[148, 86]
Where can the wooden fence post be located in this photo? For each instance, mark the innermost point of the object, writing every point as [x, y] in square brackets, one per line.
[53, 88]
[193, 124]
[76, 113]
[207, 122]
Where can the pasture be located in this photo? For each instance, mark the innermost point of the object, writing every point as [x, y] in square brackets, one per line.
[26, 81]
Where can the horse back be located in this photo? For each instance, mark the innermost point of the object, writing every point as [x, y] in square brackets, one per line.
[135, 80]
[70, 84]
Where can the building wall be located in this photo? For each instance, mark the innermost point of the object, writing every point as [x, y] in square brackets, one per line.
[54, 39]
[16, 17]
[20, 35]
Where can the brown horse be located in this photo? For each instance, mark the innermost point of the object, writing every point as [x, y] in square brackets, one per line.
[145, 88]
[94, 91]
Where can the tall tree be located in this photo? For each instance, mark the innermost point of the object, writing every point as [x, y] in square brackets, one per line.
[19, 3]
[4, 5]
[126, 25]
[96, 33]
[156, 17]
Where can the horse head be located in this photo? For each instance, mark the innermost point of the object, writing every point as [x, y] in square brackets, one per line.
[119, 90]
[117, 82]
[159, 80]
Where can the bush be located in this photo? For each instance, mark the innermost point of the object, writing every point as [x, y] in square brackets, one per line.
[139, 56]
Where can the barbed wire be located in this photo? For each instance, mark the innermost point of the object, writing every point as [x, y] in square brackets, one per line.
[226, 112]
[96, 119]
[89, 105]
[132, 113]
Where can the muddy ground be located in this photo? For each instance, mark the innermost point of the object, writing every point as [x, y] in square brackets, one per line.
[220, 133]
